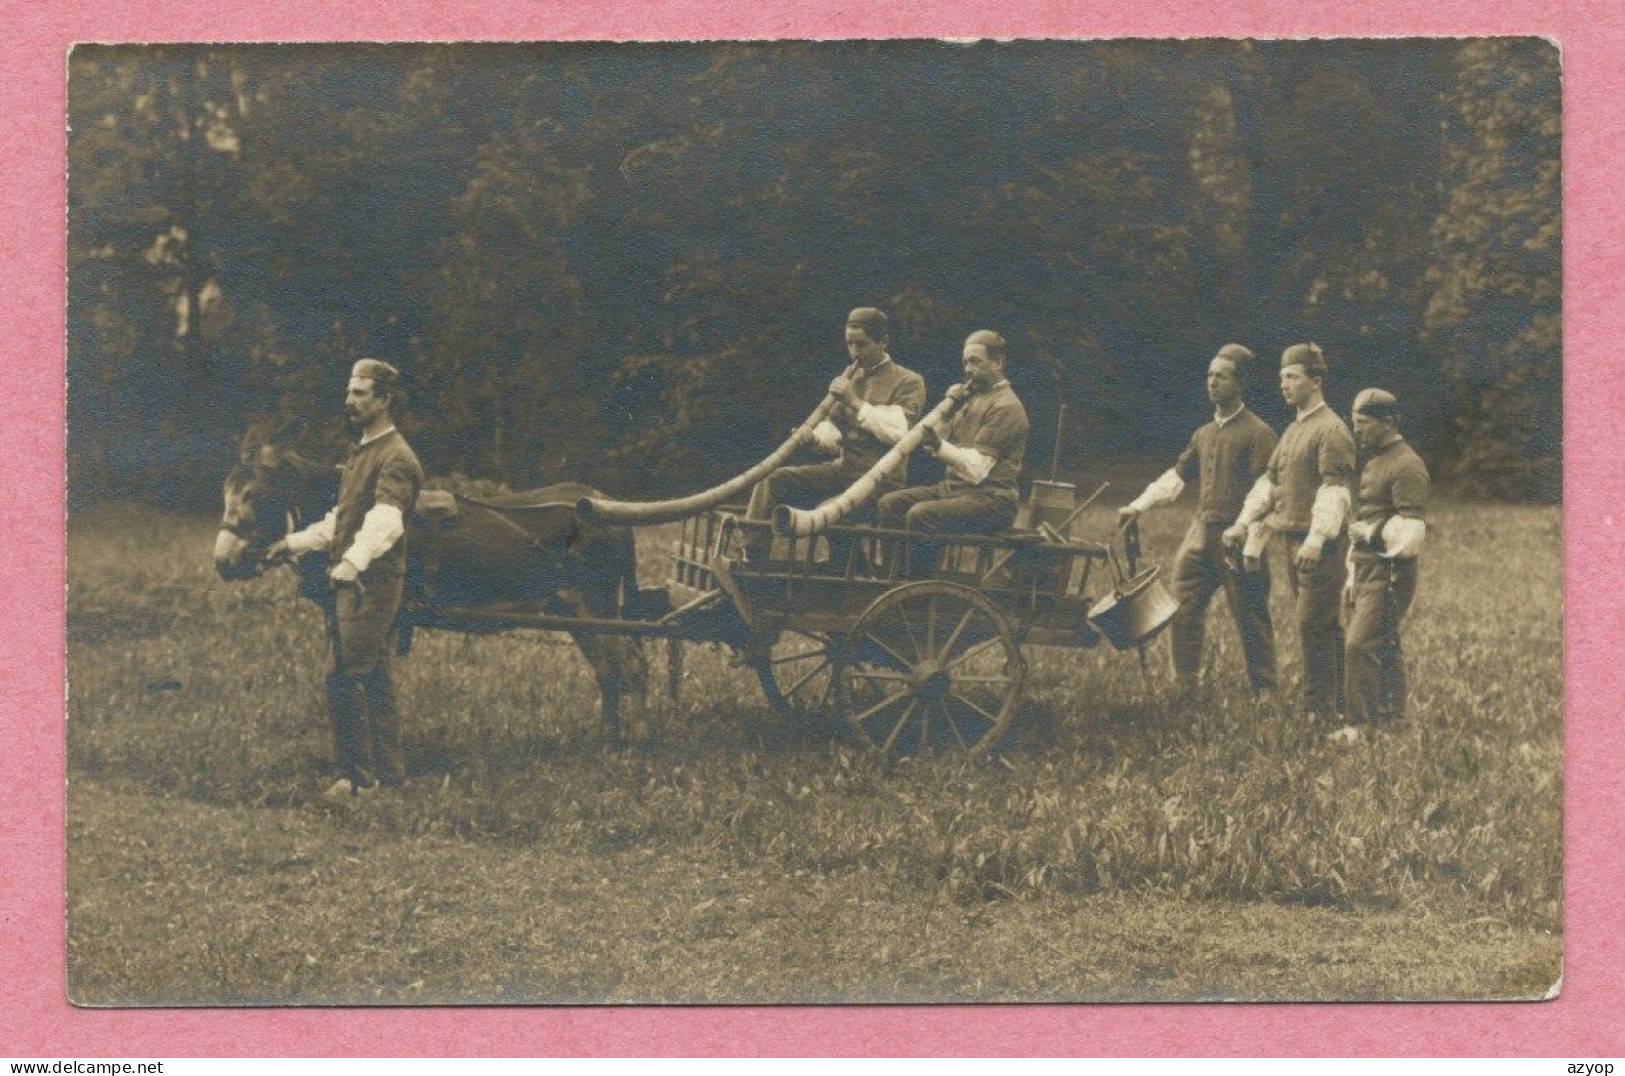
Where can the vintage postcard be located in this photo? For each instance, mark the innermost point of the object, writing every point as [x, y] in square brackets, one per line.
[815, 522]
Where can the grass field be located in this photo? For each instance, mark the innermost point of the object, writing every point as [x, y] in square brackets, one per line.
[1119, 847]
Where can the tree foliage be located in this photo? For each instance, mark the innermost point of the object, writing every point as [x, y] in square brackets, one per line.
[1494, 305]
[629, 264]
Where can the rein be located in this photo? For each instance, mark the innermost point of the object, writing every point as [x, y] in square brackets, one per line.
[291, 522]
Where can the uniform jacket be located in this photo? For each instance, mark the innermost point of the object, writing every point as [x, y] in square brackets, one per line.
[382, 471]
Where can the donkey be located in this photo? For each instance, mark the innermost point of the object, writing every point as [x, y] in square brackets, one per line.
[536, 557]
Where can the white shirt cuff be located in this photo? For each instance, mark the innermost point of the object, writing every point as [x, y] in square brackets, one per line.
[1165, 490]
[970, 464]
[888, 422]
[1330, 512]
[1258, 536]
[318, 535]
[1402, 537]
[827, 436]
[381, 528]
[1258, 501]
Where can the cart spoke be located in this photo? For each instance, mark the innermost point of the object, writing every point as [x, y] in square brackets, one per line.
[971, 652]
[989, 718]
[908, 711]
[953, 637]
[821, 653]
[947, 715]
[982, 679]
[931, 628]
[889, 700]
[908, 631]
[879, 674]
[894, 655]
[797, 686]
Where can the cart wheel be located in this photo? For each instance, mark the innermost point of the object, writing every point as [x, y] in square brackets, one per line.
[930, 664]
[796, 677]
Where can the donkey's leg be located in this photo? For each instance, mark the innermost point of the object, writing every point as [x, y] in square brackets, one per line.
[607, 672]
[632, 680]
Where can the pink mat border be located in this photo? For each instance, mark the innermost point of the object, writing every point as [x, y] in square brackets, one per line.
[35, 1018]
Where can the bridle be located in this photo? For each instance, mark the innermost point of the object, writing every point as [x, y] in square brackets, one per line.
[238, 531]
[253, 534]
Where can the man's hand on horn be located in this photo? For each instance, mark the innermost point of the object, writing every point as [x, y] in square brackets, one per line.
[842, 389]
[930, 437]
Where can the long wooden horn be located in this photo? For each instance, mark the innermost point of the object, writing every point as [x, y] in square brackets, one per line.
[799, 523]
[645, 513]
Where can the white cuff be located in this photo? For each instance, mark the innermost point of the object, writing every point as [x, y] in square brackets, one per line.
[1402, 537]
[318, 535]
[1258, 501]
[381, 528]
[887, 422]
[1165, 490]
[1330, 512]
[970, 464]
[827, 436]
[1258, 536]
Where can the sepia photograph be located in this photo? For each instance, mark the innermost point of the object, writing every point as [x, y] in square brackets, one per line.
[814, 522]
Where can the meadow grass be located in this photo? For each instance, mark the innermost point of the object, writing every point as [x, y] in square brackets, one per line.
[1121, 844]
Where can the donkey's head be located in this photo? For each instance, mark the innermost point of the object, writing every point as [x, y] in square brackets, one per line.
[263, 502]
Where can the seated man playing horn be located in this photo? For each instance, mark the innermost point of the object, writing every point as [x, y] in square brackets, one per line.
[981, 448]
[874, 408]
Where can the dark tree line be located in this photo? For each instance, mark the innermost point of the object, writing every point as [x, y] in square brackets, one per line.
[629, 264]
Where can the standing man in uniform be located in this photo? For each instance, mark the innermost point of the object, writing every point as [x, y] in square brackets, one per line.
[874, 408]
[1229, 455]
[367, 532]
[1303, 497]
[981, 447]
[1385, 537]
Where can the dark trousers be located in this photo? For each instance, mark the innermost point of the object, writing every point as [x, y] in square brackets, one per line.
[1320, 633]
[1200, 569]
[360, 694]
[1375, 672]
[940, 510]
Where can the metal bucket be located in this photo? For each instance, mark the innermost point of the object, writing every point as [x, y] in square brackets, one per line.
[1135, 612]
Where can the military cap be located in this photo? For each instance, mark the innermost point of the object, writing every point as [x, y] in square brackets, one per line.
[1378, 403]
[1308, 356]
[994, 342]
[382, 373]
[871, 320]
[1235, 353]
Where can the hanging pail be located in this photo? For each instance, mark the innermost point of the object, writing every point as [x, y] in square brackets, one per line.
[1135, 612]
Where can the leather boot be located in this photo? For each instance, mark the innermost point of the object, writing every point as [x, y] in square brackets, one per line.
[344, 710]
[384, 725]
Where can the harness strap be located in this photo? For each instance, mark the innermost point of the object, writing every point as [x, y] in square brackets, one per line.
[540, 506]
